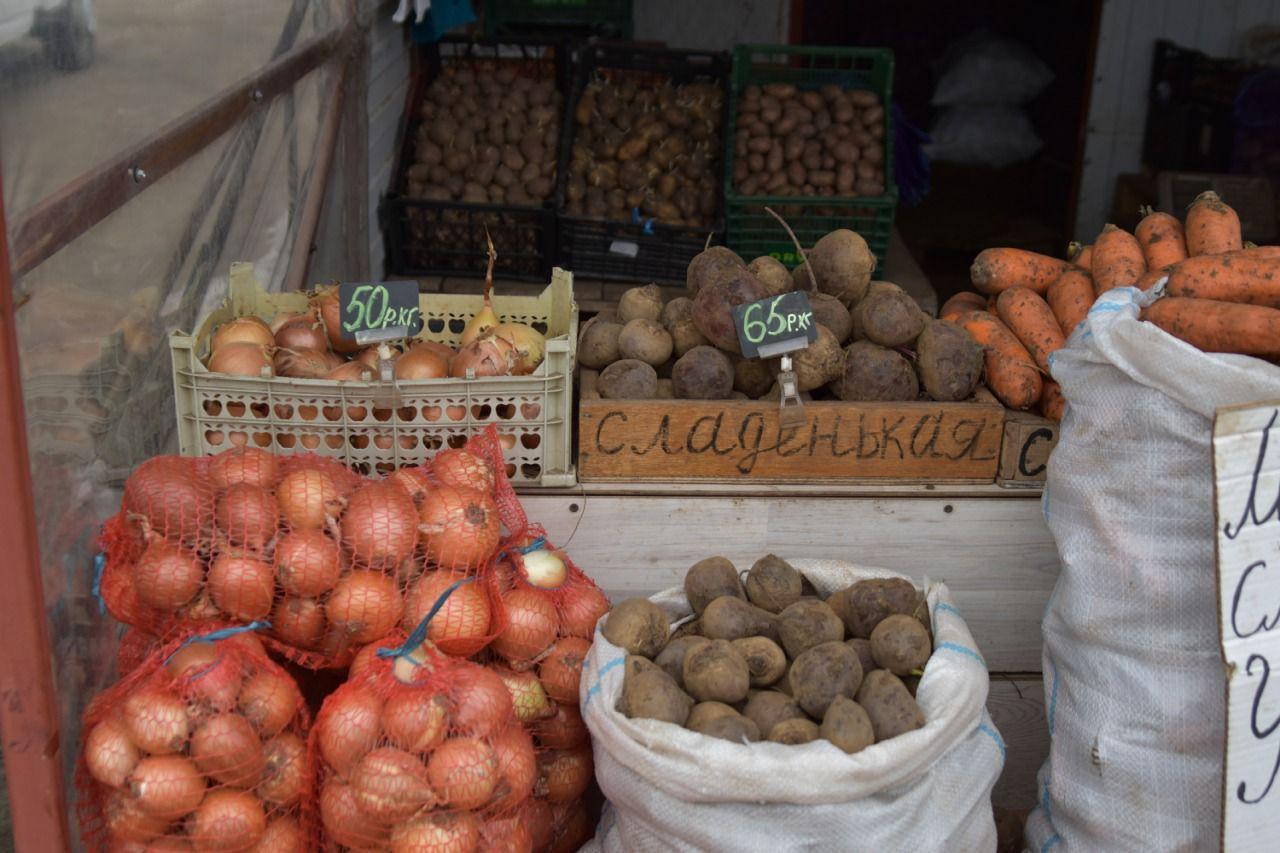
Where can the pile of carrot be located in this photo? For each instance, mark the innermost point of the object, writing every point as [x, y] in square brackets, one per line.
[1220, 295]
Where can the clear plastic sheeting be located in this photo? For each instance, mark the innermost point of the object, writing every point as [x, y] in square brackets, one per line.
[93, 319]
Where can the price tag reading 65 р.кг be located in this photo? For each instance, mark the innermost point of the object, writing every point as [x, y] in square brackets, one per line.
[774, 326]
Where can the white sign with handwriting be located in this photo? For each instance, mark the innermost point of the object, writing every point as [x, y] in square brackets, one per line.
[1246, 470]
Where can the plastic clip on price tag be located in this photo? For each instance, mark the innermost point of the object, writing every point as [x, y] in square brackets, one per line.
[790, 406]
[778, 326]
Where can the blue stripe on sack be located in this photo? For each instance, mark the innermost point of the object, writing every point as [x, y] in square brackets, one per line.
[1053, 841]
[1053, 700]
[964, 650]
[942, 605]
[595, 688]
[994, 735]
[1107, 307]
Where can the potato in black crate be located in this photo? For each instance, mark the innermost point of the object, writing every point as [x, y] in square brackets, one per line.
[639, 190]
[479, 148]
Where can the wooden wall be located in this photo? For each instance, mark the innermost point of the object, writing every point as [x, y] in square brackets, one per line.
[1122, 76]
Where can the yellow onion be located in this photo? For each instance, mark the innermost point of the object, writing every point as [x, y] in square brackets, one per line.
[351, 371]
[325, 303]
[487, 355]
[305, 363]
[527, 344]
[421, 363]
[242, 330]
[241, 359]
[443, 350]
[284, 318]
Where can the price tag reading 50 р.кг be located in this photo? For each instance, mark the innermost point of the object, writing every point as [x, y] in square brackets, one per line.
[773, 326]
[379, 311]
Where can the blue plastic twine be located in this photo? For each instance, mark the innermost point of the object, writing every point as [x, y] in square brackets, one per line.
[220, 634]
[420, 632]
[639, 220]
[99, 565]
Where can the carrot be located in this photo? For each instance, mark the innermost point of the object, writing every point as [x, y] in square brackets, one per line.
[991, 303]
[1070, 298]
[965, 300]
[995, 270]
[1081, 256]
[1010, 371]
[1150, 277]
[1052, 403]
[1212, 226]
[1251, 276]
[1117, 259]
[1214, 326]
[1161, 238]
[1033, 322]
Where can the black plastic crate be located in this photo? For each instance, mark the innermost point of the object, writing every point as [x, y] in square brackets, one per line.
[426, 237]
[642, 249]
[579, 18]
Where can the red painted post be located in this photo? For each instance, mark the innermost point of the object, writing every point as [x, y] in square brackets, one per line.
[28, 704]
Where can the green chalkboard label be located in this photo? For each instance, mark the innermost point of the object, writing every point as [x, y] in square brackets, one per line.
[773, 326]
[379, 311]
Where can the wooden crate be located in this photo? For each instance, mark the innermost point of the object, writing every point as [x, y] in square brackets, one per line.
[1024, 451]
[742, 441]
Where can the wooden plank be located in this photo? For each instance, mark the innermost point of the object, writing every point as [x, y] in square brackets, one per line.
[882, 489]
[1024, 451]
[995, 554]
[737, 441]
[1016, 705]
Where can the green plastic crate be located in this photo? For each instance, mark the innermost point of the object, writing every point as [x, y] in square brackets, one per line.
[753, 232]
[605, 18]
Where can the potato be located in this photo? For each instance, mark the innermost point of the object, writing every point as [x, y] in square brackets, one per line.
[843, 263]
[822, 673]
[871, 372]
[706, 263]
[731, 618]
[710, 579]
[598, 343]
[704, 712]
[900, 644]
[890, 319]
[772, 584]
[891, 708]
[949, 361]
[637, 625]
[865, 604]
[772, 274]
[862, 646]
[765, 659]
[735, 728]
[831, 314]
[821, 362]
[671, 658]
[641, 303]
[794, 732]
[714, 304]
[806, 624]
[767, 708]
[653, 695]
[635, 664]
[717, 672]
[847, 725]
[702, 373]
[677, 319]
[628, 379]
[644, 340]
[752, 377]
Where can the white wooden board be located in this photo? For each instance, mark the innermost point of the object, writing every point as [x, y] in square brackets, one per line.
[995, 554]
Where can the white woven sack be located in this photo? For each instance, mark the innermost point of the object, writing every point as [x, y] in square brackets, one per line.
[927, 790]
[1133, 677]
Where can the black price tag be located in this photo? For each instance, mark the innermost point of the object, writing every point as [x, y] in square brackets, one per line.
[777, 325]
[379, 311]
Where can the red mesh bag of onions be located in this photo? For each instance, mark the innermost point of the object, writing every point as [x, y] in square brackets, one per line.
[332, 560]
[201, 747]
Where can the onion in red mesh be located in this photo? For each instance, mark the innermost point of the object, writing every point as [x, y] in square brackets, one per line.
[127, 822]
[463, 772]
[413, 721]
[414, 480]
[561, 670]
[269, 699]
[459, 467]
[207, 676]
[167, 786]
[348, 727]
[298, 621]
[365, 605]
[532, 624]
[285, 773]
[509, 833]
[460, 527]
[581, 607]
[247, 516]
[156, 721]
[390, 785]
[538, 817]
[481, 703]
[543, 568]
[344, 821]
[242, 360]
[241, 330]
[325, 303]
[167, 493]
[573, 826]
[380, 526]
[436, 832]
[167, 575]
[517, 764]
[528, 696]
[283, 835]
[109, 753]
[565, 774]
[228, 820]
[302, 334]
[307, 562]
[308, 499]
[242, 587]
[226, 747]
[460, 623]
[242, 465]
[564, 729]
[421, 363]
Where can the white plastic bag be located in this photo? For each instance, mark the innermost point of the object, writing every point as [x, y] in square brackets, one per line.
[984, 68]
[927, 790]
[995, 136]
[1133, 678]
